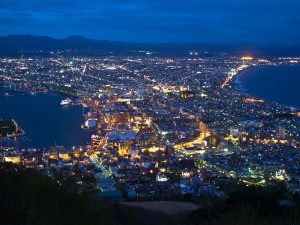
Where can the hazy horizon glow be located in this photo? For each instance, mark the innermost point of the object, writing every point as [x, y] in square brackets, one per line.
[260, 21]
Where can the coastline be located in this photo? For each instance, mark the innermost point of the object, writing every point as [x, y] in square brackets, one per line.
[18, 133]
[238, 86]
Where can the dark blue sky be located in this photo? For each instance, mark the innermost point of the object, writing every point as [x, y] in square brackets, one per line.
[260, 21]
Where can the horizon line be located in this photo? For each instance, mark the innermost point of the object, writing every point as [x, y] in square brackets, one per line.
[160, 42]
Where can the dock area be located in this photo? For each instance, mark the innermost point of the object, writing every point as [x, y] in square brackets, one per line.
[10, 128]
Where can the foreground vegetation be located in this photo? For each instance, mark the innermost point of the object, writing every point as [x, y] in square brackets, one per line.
[252, 206]
[27, 197]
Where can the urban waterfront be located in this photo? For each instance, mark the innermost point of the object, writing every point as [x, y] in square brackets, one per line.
[272, 83]
[46, 123]
[168, 128]
[150, 112]
[44, 120]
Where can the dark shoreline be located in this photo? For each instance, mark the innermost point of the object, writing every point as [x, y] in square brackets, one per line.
[236, 84]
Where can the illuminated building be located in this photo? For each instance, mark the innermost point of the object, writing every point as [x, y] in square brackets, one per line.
[124, 146]
[13, 159]
[120, 118]
[246, 58]
[90, 124]
[182, 88]
[187, 94]
[161, 178]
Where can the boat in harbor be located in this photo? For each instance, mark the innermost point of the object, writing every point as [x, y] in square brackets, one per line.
[66, 101]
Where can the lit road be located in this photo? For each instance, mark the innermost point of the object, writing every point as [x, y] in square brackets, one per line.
[98, 161]
[99, 164]
[204, 133]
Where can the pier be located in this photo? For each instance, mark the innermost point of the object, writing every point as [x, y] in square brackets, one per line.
[10, 128]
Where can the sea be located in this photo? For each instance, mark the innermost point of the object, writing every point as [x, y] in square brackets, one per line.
[45, 122]
[272, 83]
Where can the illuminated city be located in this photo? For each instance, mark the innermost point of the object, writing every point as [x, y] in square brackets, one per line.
[161, 112]
[161, 120]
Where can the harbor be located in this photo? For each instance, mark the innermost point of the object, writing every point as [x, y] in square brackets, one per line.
[12, 91]
[45, 121]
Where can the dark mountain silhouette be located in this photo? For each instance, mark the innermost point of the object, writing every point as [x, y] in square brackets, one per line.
[29, 44]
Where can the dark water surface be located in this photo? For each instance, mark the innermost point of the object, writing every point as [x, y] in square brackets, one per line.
[44, 120]
[273, 83]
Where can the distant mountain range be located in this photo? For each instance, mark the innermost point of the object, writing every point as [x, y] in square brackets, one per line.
[14, 45]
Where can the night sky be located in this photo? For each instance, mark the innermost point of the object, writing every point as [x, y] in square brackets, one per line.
[257, 21]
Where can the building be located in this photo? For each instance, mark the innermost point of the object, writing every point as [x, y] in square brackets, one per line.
[281, 132]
